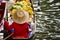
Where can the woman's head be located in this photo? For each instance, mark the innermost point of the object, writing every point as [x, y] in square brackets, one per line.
[20, 17]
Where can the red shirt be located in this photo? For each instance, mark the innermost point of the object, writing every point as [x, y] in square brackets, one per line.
[20, 30]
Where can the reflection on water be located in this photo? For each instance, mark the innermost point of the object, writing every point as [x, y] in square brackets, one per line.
[47, 20]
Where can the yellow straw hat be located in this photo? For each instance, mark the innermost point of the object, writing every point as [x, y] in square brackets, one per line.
[20, 16]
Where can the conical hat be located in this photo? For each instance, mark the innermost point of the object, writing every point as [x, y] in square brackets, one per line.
[20, 16]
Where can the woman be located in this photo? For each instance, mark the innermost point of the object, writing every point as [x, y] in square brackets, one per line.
[20, 25]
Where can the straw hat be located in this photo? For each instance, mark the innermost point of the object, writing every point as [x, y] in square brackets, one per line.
[20, 16]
